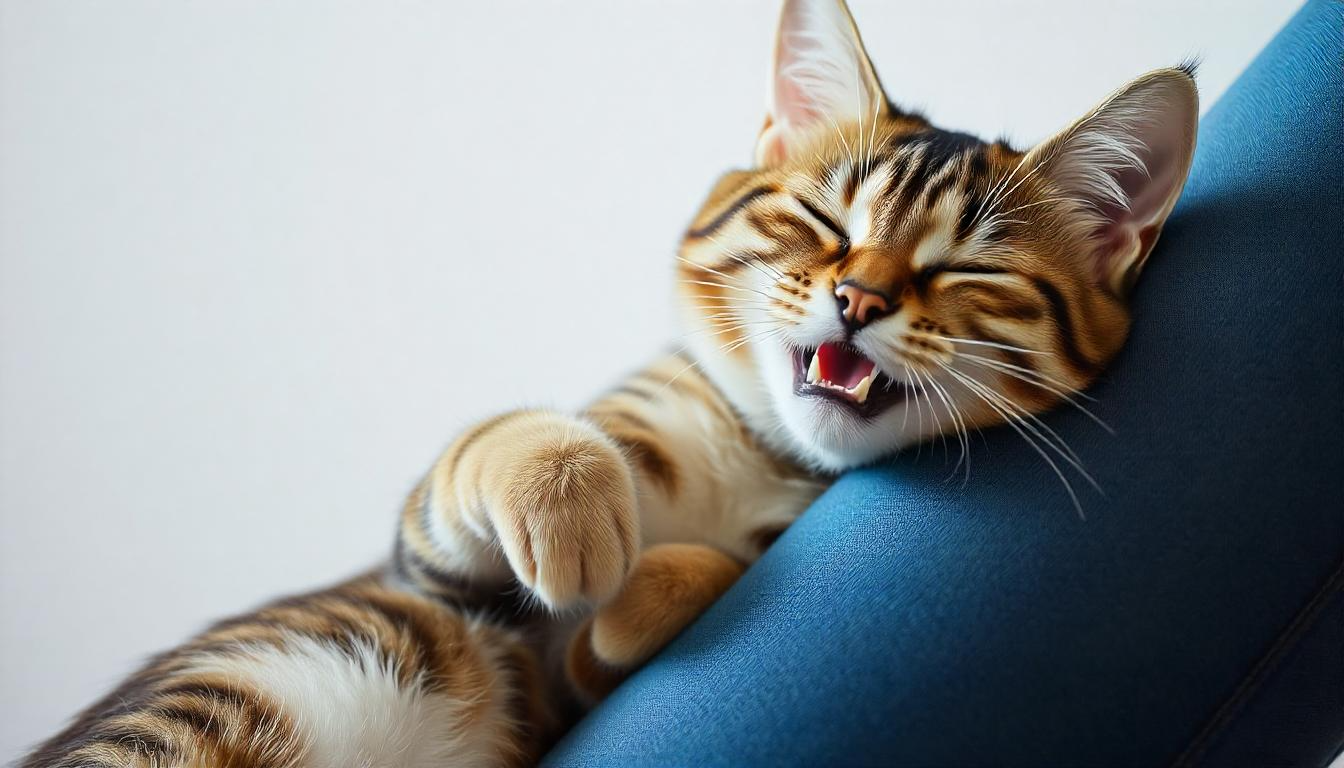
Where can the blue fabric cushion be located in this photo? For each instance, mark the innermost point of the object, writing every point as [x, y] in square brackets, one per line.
[1193, 617]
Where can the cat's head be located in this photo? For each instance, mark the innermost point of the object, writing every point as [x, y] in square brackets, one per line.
[875, 280]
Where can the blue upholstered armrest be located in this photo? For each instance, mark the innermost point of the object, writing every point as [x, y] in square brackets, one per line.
[1195, 615]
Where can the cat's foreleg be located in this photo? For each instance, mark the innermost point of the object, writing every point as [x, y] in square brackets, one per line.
[538, 496]
[669, 587]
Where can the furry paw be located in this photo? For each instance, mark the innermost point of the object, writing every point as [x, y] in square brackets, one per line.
[670, 586]
[565, 515]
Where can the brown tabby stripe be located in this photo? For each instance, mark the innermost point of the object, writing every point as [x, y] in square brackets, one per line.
[638, 438]
[928, 155]
[903, 191]
[689, 382]
[536, 727]
[613, 415]
[1006, 302]
[214, 710]
[636, 389]
[851, 187]
[414, 564]
[1019, 359]
[901, 165]
[825, 220]
[971, 206]
[737, 261]
[687, 379]
[937, 189]
[154, 718]
[979, 163]
[344, 619]
[787, 229]
[476, 433]
[652, 461]
[731, 211]
[169, 712]
[1068, 340]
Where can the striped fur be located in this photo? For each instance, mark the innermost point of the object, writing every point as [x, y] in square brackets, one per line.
[464, 649]
[544, 556]
[346, 676]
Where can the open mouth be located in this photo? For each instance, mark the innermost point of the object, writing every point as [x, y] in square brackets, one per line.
[840, 372]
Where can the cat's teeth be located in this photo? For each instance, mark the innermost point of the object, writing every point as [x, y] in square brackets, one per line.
[814, 370]
[861, 391]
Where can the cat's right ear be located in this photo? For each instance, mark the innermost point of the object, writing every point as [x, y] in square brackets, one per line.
[1123, 165]
[821, 78]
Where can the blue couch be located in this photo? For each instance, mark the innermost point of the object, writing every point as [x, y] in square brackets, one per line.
[1195, 617]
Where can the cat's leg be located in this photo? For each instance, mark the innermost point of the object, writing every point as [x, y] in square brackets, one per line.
[356, 675]
[551, 493]
[670, 585]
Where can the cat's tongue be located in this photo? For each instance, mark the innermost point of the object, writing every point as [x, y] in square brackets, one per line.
[842, 365]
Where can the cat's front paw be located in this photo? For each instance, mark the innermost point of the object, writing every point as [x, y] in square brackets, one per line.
[566, 514]
[669, 587]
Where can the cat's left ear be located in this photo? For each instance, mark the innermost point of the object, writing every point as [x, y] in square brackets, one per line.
[1126, 163]
[821, 78]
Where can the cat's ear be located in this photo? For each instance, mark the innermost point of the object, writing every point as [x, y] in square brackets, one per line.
[820, 77]
[1126, 163]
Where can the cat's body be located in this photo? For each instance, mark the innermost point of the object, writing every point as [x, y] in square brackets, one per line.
[873, 281]
[434, 659]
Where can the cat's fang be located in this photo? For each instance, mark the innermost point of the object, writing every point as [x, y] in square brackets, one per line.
[860, 392]
[814, 370]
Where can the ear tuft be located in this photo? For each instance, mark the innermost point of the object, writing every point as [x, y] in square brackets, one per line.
[1124, 164]
[821, 75]
[1190, 67]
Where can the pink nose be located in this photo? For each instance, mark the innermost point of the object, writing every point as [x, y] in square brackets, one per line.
[857, 306]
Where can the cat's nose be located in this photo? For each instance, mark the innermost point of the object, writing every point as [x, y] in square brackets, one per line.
[858, 306]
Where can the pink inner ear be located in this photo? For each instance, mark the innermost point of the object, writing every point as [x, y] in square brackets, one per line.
[794, 106]
[821, 75]
[1122, 248]
[771, 149]
[792, 109]
[1149, 192]
[1124, 227]
[1128, 234]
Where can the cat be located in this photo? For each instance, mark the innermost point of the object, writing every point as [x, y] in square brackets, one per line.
[871, 282]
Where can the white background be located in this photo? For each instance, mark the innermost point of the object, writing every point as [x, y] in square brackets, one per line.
[260, 260]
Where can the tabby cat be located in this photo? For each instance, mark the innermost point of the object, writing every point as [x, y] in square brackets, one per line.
[872, 281]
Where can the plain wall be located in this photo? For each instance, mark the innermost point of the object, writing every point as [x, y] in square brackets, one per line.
[260, 260]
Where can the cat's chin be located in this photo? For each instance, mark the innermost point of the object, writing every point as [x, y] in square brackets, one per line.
[830, 436]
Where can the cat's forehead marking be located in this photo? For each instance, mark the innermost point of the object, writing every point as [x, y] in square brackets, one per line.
[863, 209]
[913, 195]
[938, 238]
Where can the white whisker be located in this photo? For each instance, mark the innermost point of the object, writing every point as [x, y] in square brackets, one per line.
[1039, 428]
[1058, 473]
[725, 286]
[710, 270]
[919, 414]
[983, 343]
[958, 426]
[999, 367]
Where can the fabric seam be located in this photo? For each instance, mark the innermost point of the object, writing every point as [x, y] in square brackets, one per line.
[1262, 670]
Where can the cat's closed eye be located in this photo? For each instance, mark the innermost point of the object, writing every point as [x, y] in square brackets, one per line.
[975, 269]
